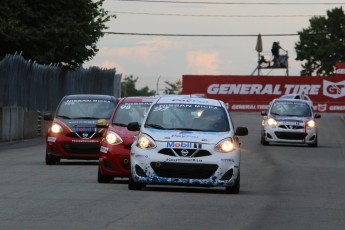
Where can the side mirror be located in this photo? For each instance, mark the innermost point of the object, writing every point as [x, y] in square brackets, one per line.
[263, 113]
[241, 131]
[317, 115]
[101, 123]
[133, 126]
[48, 117]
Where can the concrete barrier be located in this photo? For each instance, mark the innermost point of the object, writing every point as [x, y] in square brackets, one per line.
[18, 124]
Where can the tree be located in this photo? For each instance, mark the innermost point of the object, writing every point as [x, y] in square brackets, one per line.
[322, 44]
[173, 87]
[61, 32]
[128, 88]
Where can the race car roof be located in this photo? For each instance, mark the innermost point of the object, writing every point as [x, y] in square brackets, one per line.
[188, 100]
[88, 96]
[139, 99]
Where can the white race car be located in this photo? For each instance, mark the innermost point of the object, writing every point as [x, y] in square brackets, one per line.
[289, 121]
[186, 141]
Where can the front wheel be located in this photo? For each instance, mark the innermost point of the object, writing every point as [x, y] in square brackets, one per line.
[313, 144]
[132, 185]
[103, 178]
[51, 160]
[263, 141]
[235, 189]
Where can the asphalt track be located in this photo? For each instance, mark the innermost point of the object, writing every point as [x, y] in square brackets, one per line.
[288, 187]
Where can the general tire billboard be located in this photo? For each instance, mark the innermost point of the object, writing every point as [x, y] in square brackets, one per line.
[254, 93]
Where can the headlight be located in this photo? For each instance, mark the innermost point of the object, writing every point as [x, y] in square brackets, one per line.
[113, 139]
[145, 142]
[56, 128]
[271, 121]
[225, 146]
[311, 124]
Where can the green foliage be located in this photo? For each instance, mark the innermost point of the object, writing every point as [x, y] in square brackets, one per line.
[322, 44]
[173, 87]
[128, 88]
[61, 31]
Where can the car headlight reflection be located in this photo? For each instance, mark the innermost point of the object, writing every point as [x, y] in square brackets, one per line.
[113, 139]
[225, 146]
[311, 124]
[145, 142]
[272, 122]
[56, 128]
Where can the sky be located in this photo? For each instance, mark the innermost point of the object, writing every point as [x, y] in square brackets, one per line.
[155, 59]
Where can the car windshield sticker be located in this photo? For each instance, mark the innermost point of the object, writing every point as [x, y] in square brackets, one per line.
[72, 102]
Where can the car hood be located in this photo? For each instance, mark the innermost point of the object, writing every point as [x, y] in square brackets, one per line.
[187, 136]
[77, 123]
[290, 118]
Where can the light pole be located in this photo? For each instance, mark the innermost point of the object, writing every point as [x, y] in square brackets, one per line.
[157, 84]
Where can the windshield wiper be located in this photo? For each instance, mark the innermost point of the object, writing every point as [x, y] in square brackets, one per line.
[276, 114]
[155, 126]
[293, 115]
[63, 116]
[120, 124]
[185, 129]
[88, 118]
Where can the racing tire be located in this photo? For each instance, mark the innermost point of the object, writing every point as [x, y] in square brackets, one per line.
[313, 144]
[235, 189]
[101, 178]
[132, 185]
[263, 141]
[51, 160]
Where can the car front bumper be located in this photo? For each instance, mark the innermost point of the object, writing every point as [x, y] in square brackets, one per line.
[152, 167]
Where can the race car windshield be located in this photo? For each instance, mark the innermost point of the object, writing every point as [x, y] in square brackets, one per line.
[188, 117]
[86, 109]
[291, 109]
[130, 112]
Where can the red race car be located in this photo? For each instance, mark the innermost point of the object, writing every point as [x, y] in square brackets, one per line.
[73, 133]
[116, 144]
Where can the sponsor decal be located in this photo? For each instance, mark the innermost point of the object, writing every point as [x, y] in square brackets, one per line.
[228, 160]
[140, 156]
[322, 107]
[84, 130]
[263, 89]
[183, 145]
[190, 101]
[82, 122]
[184, 136]
[183, 160]
[129, 105]
[247, 107]
[340, 71]
[334, 89]
[51, 139]
[86, 141]
[103, 149]
[290, 123]
[86, 101]
[337, 108]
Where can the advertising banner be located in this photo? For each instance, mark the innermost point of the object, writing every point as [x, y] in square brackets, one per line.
[254, 93]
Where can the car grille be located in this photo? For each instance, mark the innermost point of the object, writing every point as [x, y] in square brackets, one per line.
[290, 135]
[185, 152]
[184, 170]
[81, 148]
[291, 127]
